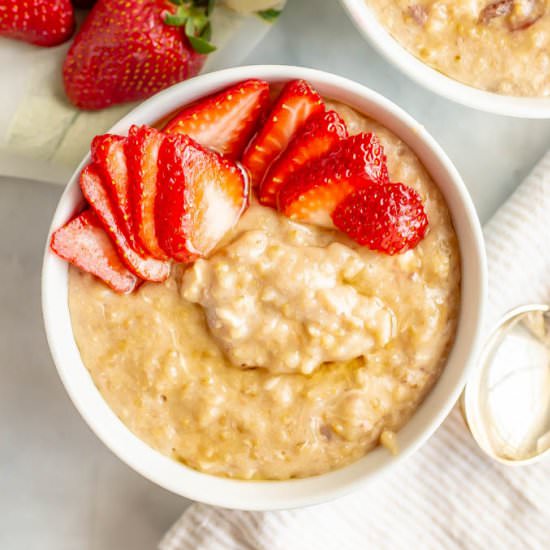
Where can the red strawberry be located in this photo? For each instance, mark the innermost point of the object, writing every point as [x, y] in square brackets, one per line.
[142, 150]
[226, 121]
[109, 157]
[96, 194]
[40, 22]
[312, 193]
[318, 136]
[125, 51]
[297, 102]
[389, 218]
[84, 243]
[200, 197]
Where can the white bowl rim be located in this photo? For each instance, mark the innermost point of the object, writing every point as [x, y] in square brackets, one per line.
[382, 41]
[273, 495]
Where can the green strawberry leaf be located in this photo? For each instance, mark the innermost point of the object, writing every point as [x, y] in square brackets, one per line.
[190, 27]
[175, 20]
[270, 15]
[193, 16]
[178, 18]
[200, 45]
[200, 20]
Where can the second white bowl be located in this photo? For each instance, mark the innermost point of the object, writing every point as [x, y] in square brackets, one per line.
[380, 39]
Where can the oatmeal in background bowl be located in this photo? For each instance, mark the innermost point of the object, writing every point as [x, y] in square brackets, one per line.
[487, 55]
[269, 287]
[501, 46]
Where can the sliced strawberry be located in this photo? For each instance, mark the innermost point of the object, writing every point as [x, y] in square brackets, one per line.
[83, 242]
[311, 193]
[389, 218]
[108, 154]
[200, 197]
[318, 136]
[95, 192]
[297, 102]
[142, 149]
[226, 121]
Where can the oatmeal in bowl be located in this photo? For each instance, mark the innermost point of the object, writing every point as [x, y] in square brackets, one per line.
[489, 54]
[272, 286]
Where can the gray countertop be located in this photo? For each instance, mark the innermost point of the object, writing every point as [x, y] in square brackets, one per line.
[60, 489]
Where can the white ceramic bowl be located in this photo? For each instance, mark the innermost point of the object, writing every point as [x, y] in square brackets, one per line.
[254, 495]
[367, 23]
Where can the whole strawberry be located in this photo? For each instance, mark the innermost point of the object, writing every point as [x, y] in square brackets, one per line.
[128, 50]
[389, 218]
[40, 22]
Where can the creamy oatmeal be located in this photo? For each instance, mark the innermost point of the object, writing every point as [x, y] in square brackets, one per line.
[279, 297]
[501, 46]
[290, 352]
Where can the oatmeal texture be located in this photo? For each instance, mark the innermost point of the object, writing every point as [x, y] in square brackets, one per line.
[500, 46]
[174, 360]
[280, 297]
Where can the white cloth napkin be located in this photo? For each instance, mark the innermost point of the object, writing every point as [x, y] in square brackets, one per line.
[448, 495]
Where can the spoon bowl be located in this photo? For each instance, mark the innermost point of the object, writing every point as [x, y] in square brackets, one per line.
[507, 402]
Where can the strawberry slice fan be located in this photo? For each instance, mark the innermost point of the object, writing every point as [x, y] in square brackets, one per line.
[157, 197]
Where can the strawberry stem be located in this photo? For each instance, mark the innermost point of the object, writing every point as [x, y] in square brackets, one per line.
[193, 16]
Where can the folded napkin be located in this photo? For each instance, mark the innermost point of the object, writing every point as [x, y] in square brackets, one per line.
[44, 137]
[447, 495]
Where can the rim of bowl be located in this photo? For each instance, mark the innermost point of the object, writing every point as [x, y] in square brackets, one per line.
[382, 41]
[275, 495]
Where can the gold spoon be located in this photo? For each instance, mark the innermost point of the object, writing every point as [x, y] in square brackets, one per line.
[506, 403]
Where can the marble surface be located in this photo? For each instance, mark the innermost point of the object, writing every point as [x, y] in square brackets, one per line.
[60, 489]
